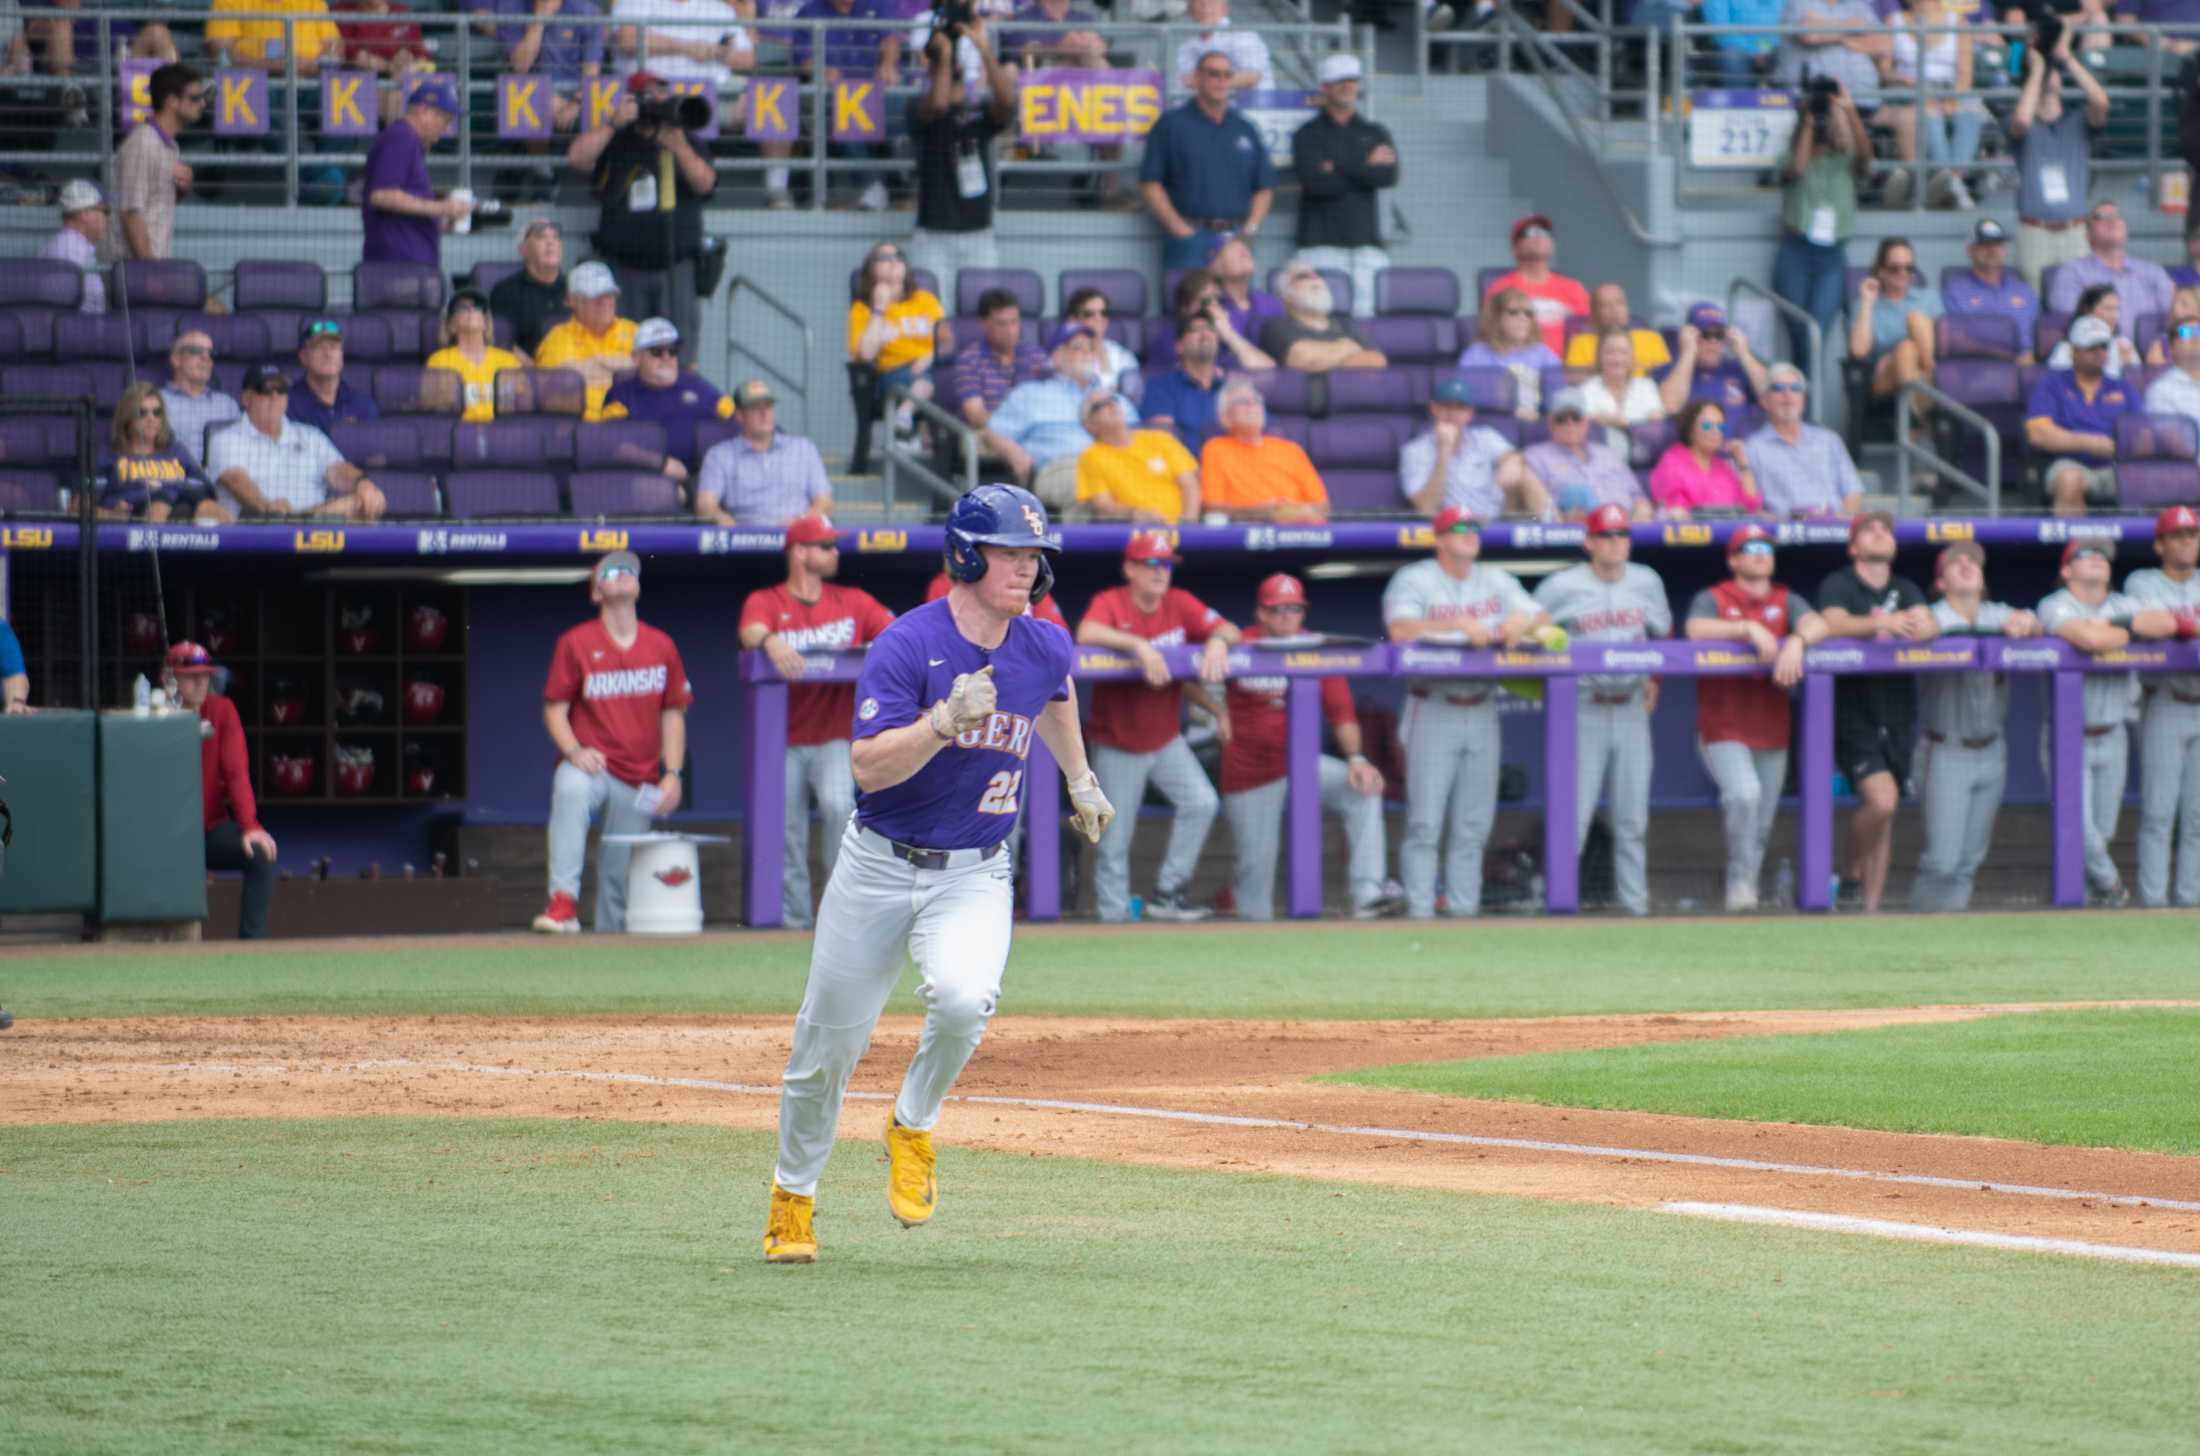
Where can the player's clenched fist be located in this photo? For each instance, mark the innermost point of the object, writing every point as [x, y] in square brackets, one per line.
[1089, 809]
[967, 704]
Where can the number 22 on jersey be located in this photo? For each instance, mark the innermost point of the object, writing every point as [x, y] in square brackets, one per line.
[1001, 791]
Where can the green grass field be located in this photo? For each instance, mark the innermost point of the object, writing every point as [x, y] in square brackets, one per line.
[2094, 1078]
[1492, 969]
[445, 1286]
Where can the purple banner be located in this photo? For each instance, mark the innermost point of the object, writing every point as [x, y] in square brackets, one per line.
[1088, 106]
[705, 91]
[137, 90]
[775, 110]
[348, 104]
[600, 97]
[523, 107]
[240, 103]
[859, 112]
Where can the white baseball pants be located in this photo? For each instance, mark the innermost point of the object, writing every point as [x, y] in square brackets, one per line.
[1750, 781]
[819, 771]
[2169, 800]
[1256, 826]
[1174, 770]
[954, 923]
[1613, 749]
[574, 799]
[1453, 753]
[1959, 790]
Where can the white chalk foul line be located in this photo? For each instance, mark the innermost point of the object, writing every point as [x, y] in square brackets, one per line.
[1388, 1134]
[1930, 1233]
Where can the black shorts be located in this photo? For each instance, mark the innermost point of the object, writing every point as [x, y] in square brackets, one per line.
[1863, 747]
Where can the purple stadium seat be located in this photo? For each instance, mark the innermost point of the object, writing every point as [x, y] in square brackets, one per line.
[1979, 336]
[1647, 443]
[358, 376]
[28, 381]
[396, 286]
[1509, 426]
[1371, 391]
[280, 283]
[488, 275]
[2047, 281]
[1367, 443]
[177, 283]
[504, 336]
[1030, 289]
[367, 341]
[1413, 339]
[1492, 391]
[502, 493]
[1484, 278]
[29, 492]
[1159, 352]
[626, 493]
[1532, 432]
[414, 333]
[920, 280]
[1981, 383]
[408, 493]
[2149, 329]
[1285, 391]
[282, 326]
[1340, 287]
[2155, 461]
[156, 330]
[541, 392]
[2048, 332]
[618, 445]
[95, 336]
[41, 283]
[540, 443]
[36, 440]
[709, 433]
[228, 376]
[1125, 288]
[378, 445]
[408, 389]
[1553, 380]
[1291, 427]
[433, 434]
[2140, 377]
[1417, 291]
[11, 336]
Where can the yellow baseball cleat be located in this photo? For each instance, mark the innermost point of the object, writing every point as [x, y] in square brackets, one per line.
[911, 1188]
[789, 1235]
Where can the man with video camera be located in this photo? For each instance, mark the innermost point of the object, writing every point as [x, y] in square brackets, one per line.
[651, 182]
[954, 133]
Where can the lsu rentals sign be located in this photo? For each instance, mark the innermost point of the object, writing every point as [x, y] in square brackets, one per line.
[1088, 106]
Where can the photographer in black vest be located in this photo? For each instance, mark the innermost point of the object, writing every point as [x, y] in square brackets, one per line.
[651, 182]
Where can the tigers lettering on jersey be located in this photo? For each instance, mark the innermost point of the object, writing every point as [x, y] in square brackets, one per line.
[1002, 733]
[629, 682]
[149, 468]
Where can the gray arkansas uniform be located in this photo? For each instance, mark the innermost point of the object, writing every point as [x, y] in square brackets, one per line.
[1614, 735]
[2169, 756]
[1451, 735]
[1962, 764]
[2110, 699]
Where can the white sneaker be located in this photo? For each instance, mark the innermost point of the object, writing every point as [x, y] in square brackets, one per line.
[1964, 201]
[1741, 899]
[873, 198]
[1896, 193]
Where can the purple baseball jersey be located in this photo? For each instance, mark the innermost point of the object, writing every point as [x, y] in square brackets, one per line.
[968, 795]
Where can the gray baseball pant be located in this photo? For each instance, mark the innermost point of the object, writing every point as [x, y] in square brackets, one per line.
[574, 799]
[1960, 791]
[2169, 800]
[2101, 803]
[1750, 781]
[1614, 740]
[1453, 753]
[818, 770]
[1174, 770]
[1256, 824]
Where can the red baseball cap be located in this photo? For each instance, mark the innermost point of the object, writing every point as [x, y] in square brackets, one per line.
[189, 657]
[1451, 518]
[1281, 590]
[1609, 519]
[1745, 534]
[812, 530]
[641, 81]
[2176, 518]
[2100, 546]
[1533, 219]
[1150, 546]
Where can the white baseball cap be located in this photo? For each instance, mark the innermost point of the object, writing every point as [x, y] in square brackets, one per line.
[593, 280]
[81, 196]
[1338, 66]
[655, 333]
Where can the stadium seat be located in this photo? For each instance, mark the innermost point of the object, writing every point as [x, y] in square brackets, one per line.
[433, 432]
[1646, 443]
[541, 392]
[11, 336]
[1491, 391]
[1484, 279]
[1358, 462]
[367, 340]
[474, 493]
[617, 445]
[170, 283]
[1554, 378]
[1030, 289]
[1159, 341]
[1994, 389]
[537, 443]
[384, 285]
[379, 445]
[41, 283]
[2047, 282]
[710, 433]
[1413, 338]
[408, 493]
[2047, 333]
[45, 381]
[1124, 288]
[2156, 461]
[2148, 330]
[279, 283]
[920, 280]
[1417, 291]
[29, 491]
[33, 440]
[408, 389]
[1978, 336]
[626, 493]
[1290, 427]
[1285, 391]
[414, 333]
[486, 276]
[81, 336]
[1340, 287]
[1512, 427]
[282, 325]
[1374, 391]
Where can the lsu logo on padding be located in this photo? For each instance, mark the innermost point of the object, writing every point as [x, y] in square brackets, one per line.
[882, 541]
[316, 543]
[603, 539]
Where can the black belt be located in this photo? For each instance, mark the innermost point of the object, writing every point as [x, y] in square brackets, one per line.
[1987, 742]
[933, 859]
[2051, 227]
[1457, 700]
[2103, 730]
[1217, 224]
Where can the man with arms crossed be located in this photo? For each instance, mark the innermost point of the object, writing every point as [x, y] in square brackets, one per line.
[946, 710]
[2169, 735]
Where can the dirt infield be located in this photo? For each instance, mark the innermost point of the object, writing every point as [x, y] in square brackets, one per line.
[157, 1068]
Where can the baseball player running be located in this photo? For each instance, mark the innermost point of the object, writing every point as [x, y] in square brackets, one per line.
[1743, 724]
[1874, 715]
[2092, 618]
[1450, 728]
[946, 707]
[616, 707]
[1611, 599]
[1137, 735]
[2169, 734]
[1255, 762]
[1963, 762]
[810, 612]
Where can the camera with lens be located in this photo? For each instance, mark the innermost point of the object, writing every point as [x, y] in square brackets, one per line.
[688, 113]
[2047, 33]
[1818, 94]
[951, 17]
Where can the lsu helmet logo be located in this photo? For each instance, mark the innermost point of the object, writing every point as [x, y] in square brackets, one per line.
[1033, 520]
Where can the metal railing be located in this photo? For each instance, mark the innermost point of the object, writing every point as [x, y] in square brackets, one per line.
[797, 382]
[1815, 366]
[900, 459]
[1908, 450]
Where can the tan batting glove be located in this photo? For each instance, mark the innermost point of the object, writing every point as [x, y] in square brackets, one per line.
[1090, 810]
[967, 705]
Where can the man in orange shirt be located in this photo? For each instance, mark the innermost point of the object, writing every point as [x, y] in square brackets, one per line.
[1555, 296]
[1253, 476]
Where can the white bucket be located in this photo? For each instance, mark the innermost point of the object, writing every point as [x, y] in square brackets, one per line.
[664, 886]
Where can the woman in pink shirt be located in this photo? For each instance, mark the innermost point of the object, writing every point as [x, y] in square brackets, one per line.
[1703, 470]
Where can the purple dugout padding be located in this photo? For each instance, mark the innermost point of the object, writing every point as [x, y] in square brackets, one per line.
[1561, 796]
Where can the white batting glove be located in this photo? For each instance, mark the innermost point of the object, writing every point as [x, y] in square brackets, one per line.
[1090, 810]
[967, 705]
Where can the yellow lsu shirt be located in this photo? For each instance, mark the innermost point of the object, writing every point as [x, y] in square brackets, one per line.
[1141, 476]
[911, 320]
[569, 343]
[248, 39]
[479, 380]
[1650, 350]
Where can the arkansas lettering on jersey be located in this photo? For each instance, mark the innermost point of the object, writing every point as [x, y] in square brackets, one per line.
[1130, 715]
[1260, 717]
[842, 617]
[619, 694]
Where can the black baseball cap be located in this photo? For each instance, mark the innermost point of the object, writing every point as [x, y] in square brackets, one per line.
[266, 379]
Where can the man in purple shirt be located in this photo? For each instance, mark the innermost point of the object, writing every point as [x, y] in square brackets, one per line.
[951, 699]
[400, 216]
[2072, 421]
[540, 37]
[659, 390]
[2144, 287]
[1987, 286]
[1230, 259]
[986, 370]
[1711, 361]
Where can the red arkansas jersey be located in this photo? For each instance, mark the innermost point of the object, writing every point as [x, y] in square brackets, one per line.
[617, 694]
[1130, 715]
[1044, 609]
[841, 617]
[1259, 721]
[1751, 710]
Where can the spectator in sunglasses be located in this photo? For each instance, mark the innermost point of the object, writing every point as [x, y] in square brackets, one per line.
[1508, 337]
[469, 352]
[1891, 326]
[1703, 469]
[2071, 419]
[195, 407]
[323, 398]
[1088, 308]
[2143, 286]
[1800, 468]
[1711, 361]
[1989, 285]
[660, 390]
[2178, 391]
[146, 471]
